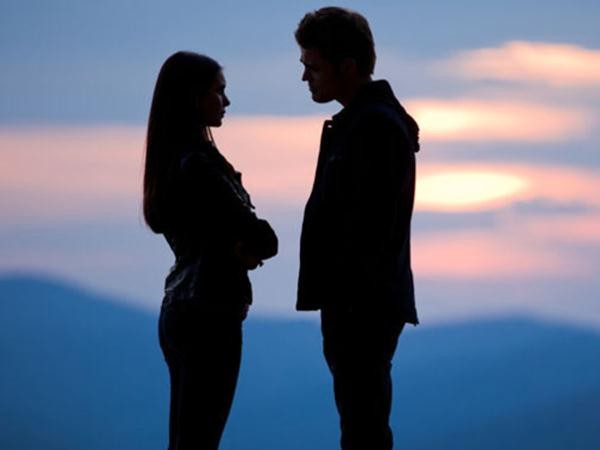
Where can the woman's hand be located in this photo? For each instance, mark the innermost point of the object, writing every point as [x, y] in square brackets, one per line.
[248, 260]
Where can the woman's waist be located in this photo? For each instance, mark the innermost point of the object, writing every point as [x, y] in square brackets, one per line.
[189, 246]
[204, 305]
[210, 278]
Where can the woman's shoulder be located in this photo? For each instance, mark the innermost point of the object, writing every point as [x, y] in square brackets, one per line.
[200, 158]
[206, 165]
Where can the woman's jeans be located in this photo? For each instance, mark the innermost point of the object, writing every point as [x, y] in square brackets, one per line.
[202, 348]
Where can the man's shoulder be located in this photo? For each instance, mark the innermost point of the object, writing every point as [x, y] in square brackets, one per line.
[378, 115]
[385, 119]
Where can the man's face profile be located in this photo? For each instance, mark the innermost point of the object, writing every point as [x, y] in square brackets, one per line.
[320, 75]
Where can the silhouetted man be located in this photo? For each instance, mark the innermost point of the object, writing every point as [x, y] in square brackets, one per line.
[355, 244]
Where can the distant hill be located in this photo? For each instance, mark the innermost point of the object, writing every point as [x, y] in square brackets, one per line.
[83, 372]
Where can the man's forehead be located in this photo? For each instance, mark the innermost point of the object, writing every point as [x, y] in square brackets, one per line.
[310, 55]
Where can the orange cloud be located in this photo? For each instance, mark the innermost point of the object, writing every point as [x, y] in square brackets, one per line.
[469, 120]
[467, 189]
[531, 62]
[479, 187]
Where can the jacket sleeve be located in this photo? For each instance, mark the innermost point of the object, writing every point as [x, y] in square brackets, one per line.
[213, 198]
[261, 240]
[379, 201]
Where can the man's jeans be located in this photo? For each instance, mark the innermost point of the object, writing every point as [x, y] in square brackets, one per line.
[358, 347]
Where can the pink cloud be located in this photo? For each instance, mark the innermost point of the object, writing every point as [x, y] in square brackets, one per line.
[276, 154]
[521, 244]
[555, 64]
[56, 172]
[49, 173]
[94, 171]
[476, 120]
[485, 255]
[85, 173]
[579, 229]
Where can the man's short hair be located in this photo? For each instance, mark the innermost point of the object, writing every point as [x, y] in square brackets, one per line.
[338, 33]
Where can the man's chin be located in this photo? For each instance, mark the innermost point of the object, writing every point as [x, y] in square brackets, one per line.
[319, 98]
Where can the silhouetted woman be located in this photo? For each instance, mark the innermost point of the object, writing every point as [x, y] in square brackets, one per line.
[195, 198]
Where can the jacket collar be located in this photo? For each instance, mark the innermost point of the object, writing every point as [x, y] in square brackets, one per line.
[380, 91]
[373, 91]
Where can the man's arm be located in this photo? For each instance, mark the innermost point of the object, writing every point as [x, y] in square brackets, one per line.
[379, 200]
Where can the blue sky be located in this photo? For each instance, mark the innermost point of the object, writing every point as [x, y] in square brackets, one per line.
[508, 133]
[83, 61]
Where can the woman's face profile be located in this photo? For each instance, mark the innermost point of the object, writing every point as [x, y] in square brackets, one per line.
[214, 102]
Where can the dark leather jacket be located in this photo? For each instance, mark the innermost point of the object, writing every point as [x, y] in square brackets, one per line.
[210, 213]
[355, 243]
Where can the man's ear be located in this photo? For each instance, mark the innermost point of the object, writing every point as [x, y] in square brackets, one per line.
[348, 67]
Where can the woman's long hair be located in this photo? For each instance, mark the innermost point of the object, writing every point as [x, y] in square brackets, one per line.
[174, 125]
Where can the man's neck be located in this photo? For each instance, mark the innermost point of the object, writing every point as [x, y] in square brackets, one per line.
[351, 89]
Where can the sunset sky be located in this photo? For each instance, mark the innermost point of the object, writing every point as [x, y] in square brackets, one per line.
[507, 217]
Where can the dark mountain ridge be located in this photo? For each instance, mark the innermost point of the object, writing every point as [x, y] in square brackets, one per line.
[80, 371]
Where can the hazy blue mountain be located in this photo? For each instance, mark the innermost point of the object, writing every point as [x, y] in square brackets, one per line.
[83, 372]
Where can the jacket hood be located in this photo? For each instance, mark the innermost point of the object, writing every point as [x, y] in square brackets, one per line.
[381, 91]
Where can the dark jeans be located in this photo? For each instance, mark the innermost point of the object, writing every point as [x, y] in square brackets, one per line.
[202, 349]
[358, 347]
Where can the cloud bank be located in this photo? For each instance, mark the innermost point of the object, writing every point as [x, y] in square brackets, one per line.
[554, 64]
